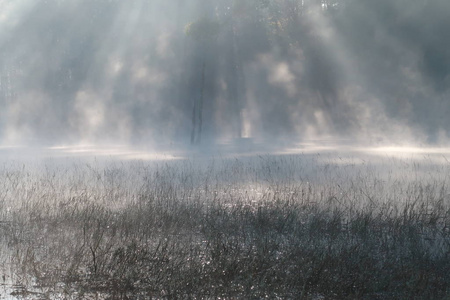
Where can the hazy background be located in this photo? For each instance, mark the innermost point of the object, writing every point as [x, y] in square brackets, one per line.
[133, 72]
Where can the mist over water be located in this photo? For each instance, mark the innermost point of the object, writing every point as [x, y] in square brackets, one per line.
[232, 149]
[179, 72]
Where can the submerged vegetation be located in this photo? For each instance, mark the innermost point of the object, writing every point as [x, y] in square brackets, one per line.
[275, 227]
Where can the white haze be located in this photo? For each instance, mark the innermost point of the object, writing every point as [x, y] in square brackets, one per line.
[281, 72]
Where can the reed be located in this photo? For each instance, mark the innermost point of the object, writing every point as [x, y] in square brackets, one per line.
[276, 227]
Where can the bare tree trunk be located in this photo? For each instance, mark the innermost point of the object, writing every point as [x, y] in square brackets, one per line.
[193, 122]
[200, 106]
[237, 94]
[238, 83]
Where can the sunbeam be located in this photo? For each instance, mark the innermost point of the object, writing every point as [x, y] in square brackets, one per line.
[251, 73]
[224, 149]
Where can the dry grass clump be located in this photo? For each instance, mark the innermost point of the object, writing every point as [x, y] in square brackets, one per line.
[267, 227]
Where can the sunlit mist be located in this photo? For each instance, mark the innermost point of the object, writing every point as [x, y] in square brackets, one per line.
[224, 149]
[188, 73]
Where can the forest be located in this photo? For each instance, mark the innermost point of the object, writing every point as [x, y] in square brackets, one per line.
[206, 71]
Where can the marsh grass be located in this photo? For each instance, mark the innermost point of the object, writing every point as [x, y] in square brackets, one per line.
[275, 227]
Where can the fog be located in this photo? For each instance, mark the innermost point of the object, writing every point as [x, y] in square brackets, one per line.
[176, 73]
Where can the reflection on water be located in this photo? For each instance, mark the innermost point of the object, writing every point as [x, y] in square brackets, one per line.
[248, 172]
[338, 153]
[305, 162]
[318, 162]
[120, 152]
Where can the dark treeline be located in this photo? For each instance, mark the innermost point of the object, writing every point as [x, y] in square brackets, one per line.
[197, 71]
